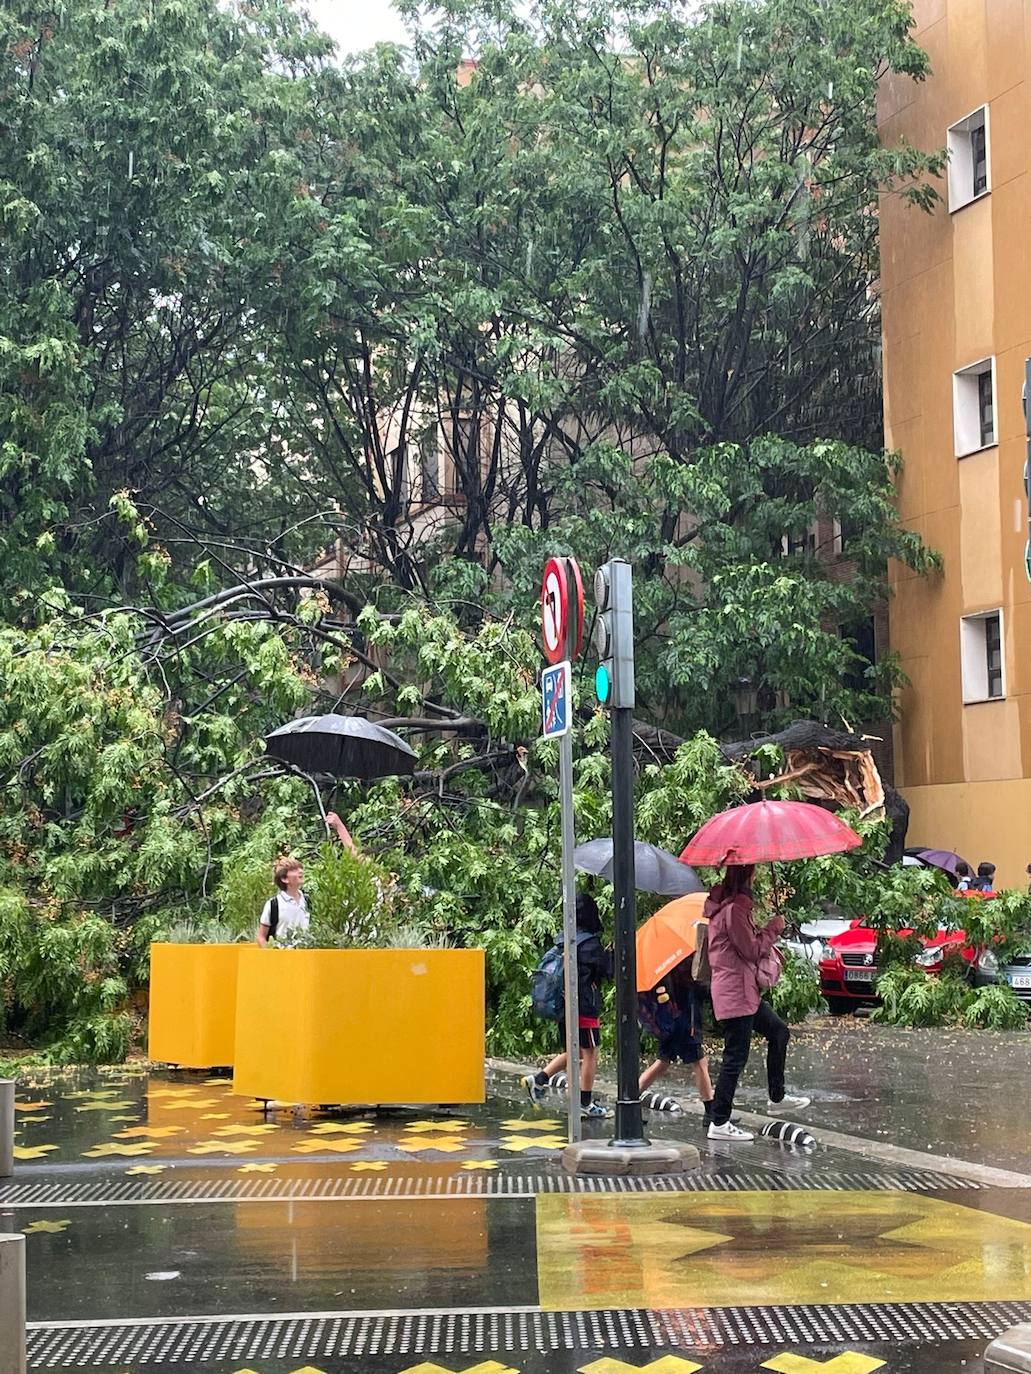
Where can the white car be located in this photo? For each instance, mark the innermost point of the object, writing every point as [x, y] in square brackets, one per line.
[812, 938]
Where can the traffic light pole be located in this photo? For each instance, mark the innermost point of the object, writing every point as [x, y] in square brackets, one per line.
[629, 1125]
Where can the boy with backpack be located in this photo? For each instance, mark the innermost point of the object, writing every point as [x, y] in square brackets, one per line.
[673, 1013]
[594, 967]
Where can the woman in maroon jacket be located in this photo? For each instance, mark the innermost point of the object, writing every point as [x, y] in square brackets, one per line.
[736, 949]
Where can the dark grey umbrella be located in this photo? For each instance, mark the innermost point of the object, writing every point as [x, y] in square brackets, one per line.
[655, 870]
[344, 746]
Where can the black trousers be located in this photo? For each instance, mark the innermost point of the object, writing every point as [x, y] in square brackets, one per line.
[737, 1041]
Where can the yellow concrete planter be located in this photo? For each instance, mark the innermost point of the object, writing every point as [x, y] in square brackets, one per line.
[356, 1026]
[192, 1020]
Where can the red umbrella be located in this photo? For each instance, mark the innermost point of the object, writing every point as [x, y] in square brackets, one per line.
[768, 831]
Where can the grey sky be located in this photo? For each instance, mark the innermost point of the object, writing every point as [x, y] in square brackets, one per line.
[357, 24]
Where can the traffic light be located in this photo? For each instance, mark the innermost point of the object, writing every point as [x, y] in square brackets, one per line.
[614, 634]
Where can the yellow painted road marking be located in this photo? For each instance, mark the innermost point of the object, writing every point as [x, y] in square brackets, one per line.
[445, 1144]
[223, 1147]
[531, 1124]
[31, 1106]
[669, 1364]
[447, 1127]
[142, 1147]
[266, 1129]
[767, 1248]
[252, 1168]
[103, 1106]
[517, 1143]
[47, 1227]
[848, 1363]
[369, 1166]
[487, 1367]
[322, 1145]
[147, 1169]
[480, 1164]
[156, 1132]
[340, 1128]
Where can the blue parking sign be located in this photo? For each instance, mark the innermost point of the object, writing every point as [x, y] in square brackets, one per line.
[556, 700]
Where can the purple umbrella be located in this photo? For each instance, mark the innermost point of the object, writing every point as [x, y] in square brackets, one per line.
[939, 858]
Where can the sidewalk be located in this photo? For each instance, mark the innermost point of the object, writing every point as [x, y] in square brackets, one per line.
[965, 1094]
[170, 1226]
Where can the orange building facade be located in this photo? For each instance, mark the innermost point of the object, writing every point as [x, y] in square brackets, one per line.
[956, 294]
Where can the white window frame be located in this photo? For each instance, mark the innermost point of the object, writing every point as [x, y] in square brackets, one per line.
[961, 160]
[966, 408]
[973, 653]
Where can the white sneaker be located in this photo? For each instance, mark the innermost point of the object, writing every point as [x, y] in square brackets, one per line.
[789, 1104]
[728, 1131]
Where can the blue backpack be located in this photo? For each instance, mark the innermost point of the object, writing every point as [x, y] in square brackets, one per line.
[548, 982]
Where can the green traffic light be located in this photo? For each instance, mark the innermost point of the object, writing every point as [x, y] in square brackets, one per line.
[602, 683]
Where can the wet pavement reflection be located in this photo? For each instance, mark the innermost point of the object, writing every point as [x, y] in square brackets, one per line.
[167, 1219]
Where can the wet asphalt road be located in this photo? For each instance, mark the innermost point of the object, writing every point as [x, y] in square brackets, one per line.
[171, 1226]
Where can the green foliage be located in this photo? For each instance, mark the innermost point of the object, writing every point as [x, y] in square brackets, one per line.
[995, 1008]
[797, 994]
[351, 900]
[911, 997]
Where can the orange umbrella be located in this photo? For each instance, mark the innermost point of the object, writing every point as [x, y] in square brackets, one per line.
[667, 939]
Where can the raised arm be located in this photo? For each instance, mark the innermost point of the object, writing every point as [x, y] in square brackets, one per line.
[341, 831]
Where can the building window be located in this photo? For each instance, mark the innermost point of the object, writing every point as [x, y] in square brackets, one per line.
[429, 465]
[800, 543]
[984, 676]
[969, 159]
[973, 407]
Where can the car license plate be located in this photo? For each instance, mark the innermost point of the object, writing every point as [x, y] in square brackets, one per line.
[1020, 980]
[860, 975]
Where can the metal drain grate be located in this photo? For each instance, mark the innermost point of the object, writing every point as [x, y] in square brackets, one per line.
[124, 1192]
[479, 1331]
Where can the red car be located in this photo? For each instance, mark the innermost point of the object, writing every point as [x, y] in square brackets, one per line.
[848, 969]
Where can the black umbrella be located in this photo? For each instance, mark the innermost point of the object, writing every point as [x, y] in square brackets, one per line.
[344, 746]
[655, 870]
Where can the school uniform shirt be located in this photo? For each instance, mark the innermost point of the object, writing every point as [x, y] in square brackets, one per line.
[293, 917]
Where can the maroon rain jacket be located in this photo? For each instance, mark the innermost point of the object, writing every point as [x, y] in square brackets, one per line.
[735, 949]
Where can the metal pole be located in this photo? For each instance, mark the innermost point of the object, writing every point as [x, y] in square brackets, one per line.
[565, 773]
[12, 1304]
[6, 1127]
[629, 1124]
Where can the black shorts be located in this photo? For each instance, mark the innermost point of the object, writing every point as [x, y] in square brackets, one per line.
[590, 1037]
[683, 1044]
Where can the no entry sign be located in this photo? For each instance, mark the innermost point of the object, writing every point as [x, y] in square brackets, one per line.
[562, 609]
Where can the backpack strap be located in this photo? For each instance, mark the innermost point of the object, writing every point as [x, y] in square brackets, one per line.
[273, 917]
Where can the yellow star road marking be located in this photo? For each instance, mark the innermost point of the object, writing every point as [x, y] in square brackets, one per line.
[103, 1106]
[669, 1364]
[848, 1363]
[533, 1125]
[445, 1144]
[339, 1128]
[142, 1147]
[487, 1367]
[252, 1168]
[214, 1116]
[369, 1166]
[337, 1147]
[223, 1147]
[480, 1164]
[31, 1106]
[157, 1132]
[530, 1142]
[267, 1129]
[147, 1169]
[32, 1151]
[446, 1127]
[48, 1227]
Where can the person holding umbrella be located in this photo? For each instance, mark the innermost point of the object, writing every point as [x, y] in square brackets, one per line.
[286, 914]
[737, 949]
[739, 952]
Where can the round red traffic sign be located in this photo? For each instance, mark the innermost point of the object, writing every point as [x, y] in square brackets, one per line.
[562, 609]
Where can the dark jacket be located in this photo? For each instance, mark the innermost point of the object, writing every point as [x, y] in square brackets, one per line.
[594, 967]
